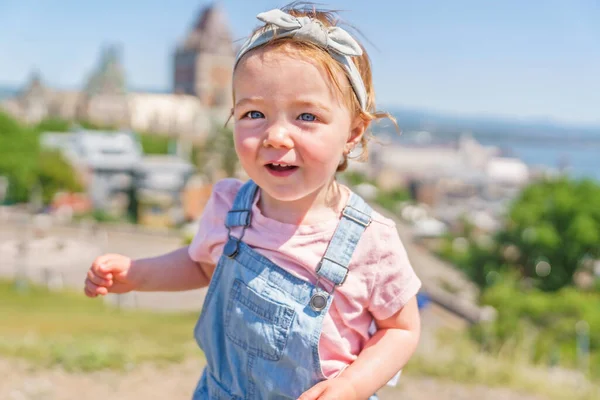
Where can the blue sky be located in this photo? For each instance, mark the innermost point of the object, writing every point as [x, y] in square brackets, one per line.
[525, 59]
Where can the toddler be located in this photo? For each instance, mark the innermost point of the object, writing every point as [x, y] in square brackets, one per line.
[298, 267]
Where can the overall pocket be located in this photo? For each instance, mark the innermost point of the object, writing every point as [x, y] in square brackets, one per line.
[257, 324]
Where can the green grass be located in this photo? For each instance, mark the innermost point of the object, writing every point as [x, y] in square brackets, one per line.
[460, 360]
[79, 334]
[68, 330]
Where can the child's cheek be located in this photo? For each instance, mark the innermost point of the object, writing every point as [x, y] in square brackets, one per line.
[322, 154]
[246, 145]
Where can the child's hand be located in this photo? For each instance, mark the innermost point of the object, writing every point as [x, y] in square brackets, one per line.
[108, 274]
[331, 389]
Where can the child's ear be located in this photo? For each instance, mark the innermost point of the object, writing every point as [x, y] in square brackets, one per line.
[357, 131]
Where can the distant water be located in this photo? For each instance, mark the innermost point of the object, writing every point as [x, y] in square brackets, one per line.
[579, 159]
[6, 92]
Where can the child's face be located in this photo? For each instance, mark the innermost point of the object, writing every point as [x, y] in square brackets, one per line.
[291, 126]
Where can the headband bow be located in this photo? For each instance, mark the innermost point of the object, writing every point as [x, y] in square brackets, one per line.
[340, 45]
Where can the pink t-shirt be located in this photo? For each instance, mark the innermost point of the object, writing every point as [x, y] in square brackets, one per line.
[379, 283]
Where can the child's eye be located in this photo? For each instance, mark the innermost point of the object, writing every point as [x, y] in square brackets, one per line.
[307, 117]
[254, 114]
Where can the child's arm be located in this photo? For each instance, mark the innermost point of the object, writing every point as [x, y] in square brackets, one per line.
[175, 271]
[384, 355]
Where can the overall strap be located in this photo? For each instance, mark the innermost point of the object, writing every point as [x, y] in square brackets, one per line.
[239, 215]
[355, 219]
[241, 211]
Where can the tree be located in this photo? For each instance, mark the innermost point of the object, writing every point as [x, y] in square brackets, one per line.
[55, 174]
[555, 225]
[18, 148]
[26, 165]
[550, 231]
[153, 143]
[53, 125]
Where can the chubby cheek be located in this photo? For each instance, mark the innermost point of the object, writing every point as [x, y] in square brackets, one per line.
[246, 145]
[325, 155]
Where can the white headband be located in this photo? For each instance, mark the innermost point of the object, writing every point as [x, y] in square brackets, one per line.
[338, 43]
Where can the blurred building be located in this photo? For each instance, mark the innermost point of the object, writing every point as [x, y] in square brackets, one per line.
[159, 184]
[201, 97]
[120, 179]
[105, 162]
[458, 182]
[203, 62]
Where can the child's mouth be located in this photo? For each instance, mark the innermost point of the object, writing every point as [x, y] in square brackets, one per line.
[281, 169]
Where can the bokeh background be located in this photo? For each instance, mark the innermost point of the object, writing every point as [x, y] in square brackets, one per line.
[112, 133]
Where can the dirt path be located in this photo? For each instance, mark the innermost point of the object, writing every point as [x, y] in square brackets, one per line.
[19, 382]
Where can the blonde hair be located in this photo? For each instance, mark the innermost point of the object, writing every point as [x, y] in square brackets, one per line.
[333, 68]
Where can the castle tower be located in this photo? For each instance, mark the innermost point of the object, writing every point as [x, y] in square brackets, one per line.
[203, 63]
[34, 99]
[104, 98]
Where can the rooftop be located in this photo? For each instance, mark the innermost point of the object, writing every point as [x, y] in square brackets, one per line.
[210, 31]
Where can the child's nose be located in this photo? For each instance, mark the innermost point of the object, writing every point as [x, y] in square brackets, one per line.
[278, 136]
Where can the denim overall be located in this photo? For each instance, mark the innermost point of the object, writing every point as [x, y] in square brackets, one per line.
[260, 326]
